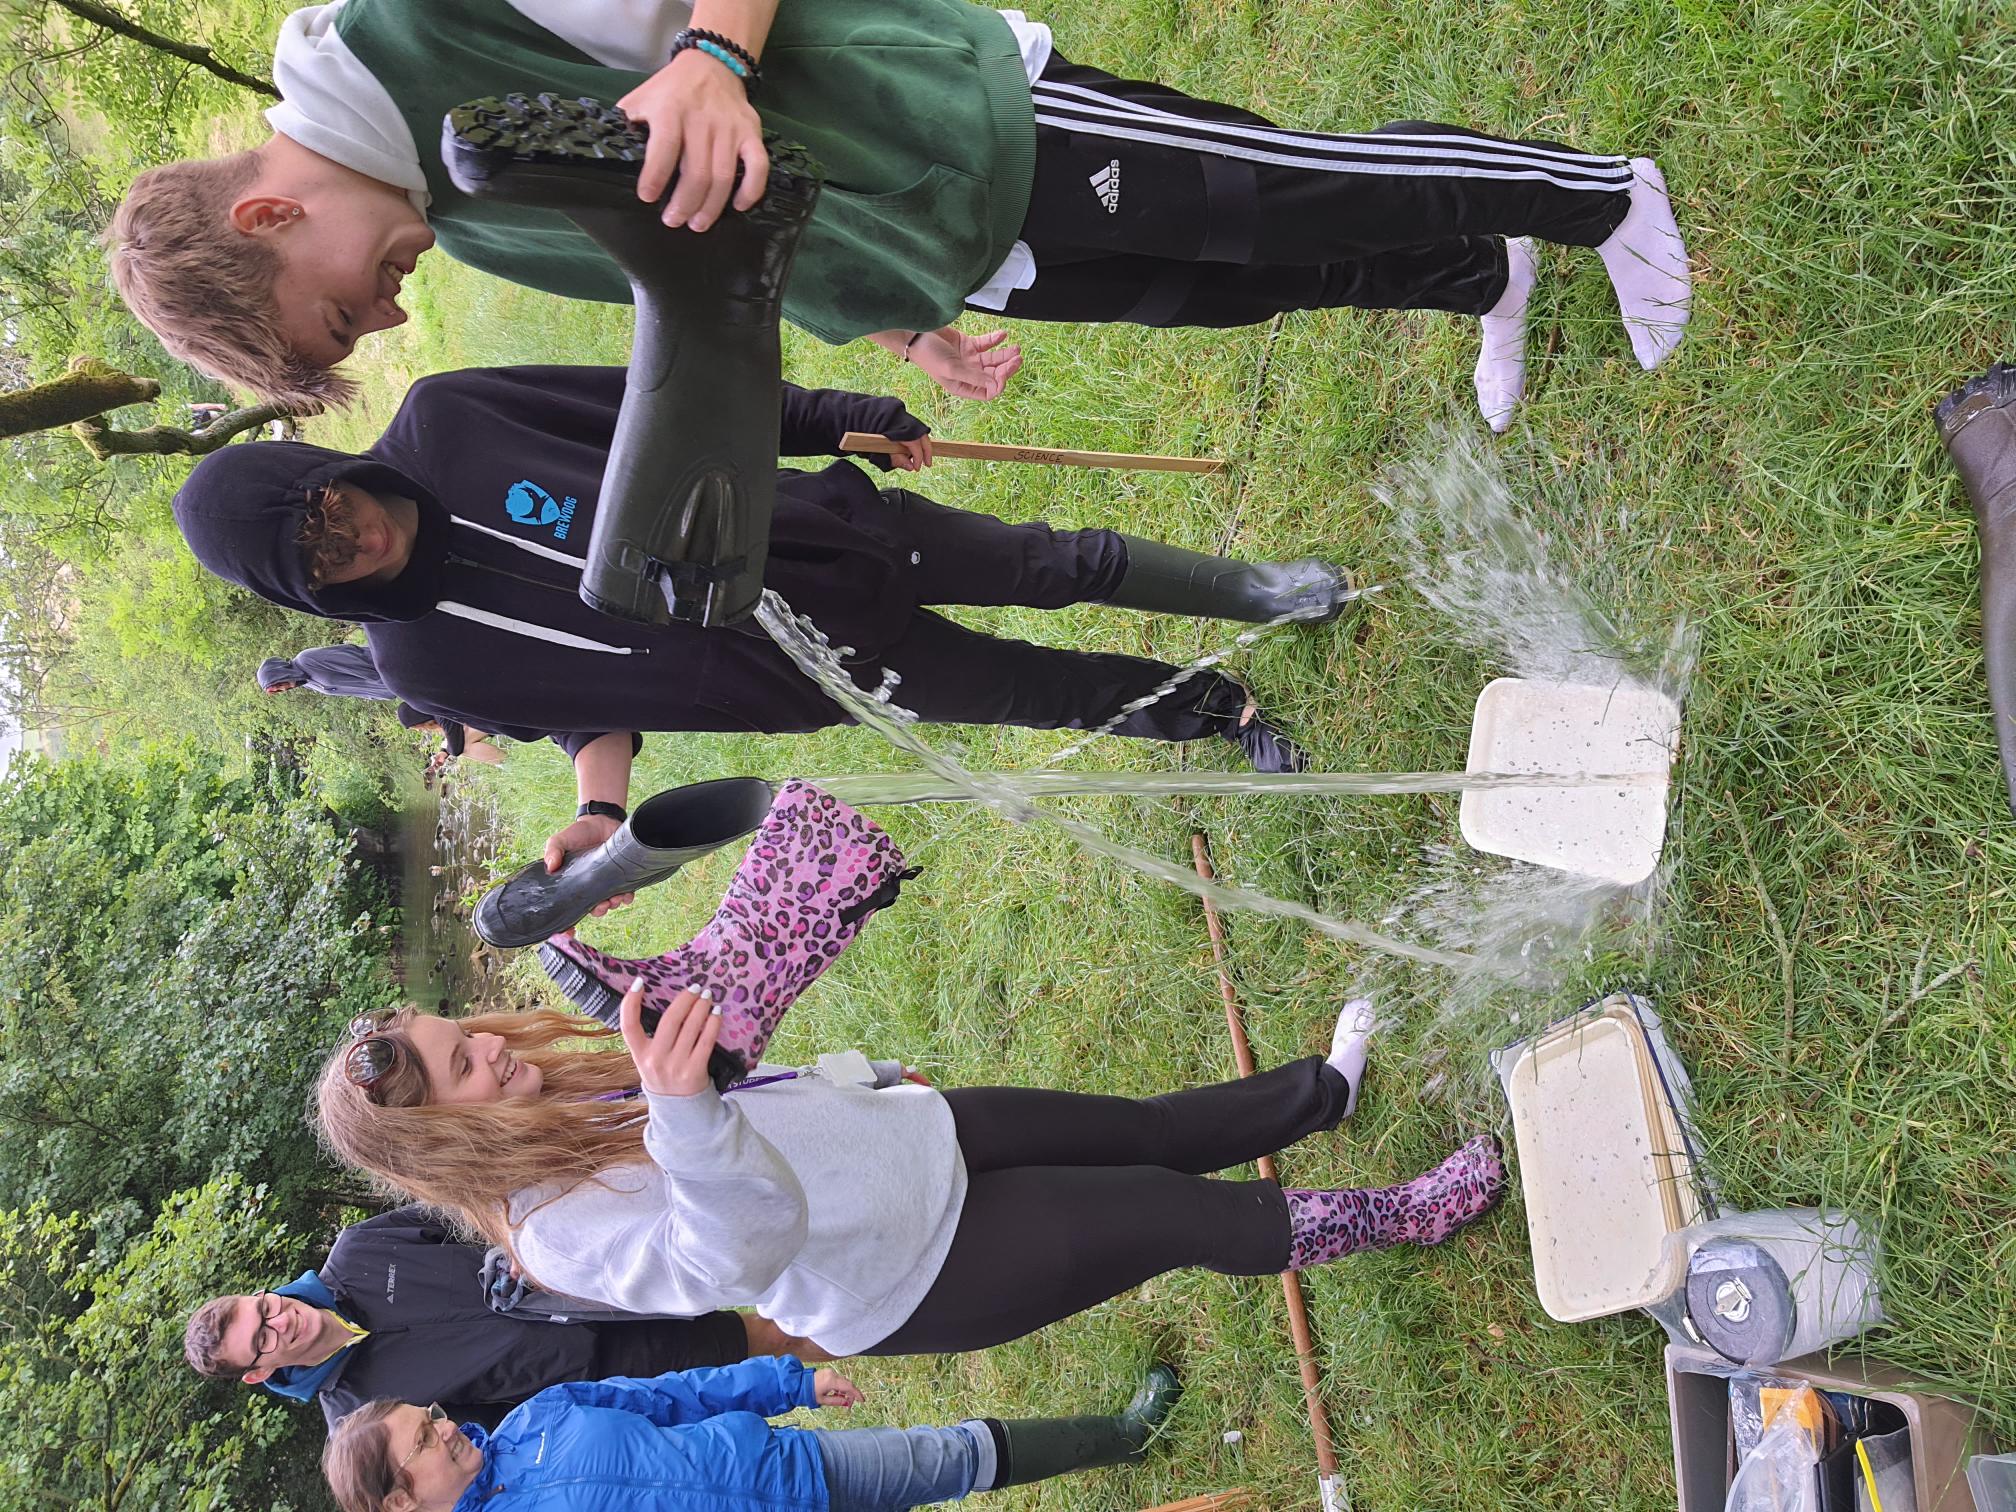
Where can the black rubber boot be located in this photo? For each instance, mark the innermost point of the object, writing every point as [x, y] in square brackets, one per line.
[1977, 421]
[684, 521]
[666, 831]
[1034, 1449]
[1265, 747]
[1166, 579]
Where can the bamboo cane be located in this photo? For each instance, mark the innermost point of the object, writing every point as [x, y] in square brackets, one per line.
[1329, 1483]
[1214, 1501]
[1056, 456]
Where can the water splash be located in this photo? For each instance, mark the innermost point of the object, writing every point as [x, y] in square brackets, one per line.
[1189, 670]
[860, 788]
[1476, 555]
[1530, 937]
[1502, 938]
[803, 642]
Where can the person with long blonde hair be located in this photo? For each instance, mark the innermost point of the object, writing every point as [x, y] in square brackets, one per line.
[870, 1220]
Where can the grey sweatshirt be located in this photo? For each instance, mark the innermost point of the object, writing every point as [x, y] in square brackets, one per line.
[828, 1208]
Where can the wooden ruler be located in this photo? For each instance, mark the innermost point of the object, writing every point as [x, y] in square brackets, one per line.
[1055, 456]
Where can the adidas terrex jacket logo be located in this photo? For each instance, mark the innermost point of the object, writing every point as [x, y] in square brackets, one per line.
[1106, 184]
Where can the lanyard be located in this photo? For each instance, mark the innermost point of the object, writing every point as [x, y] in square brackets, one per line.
[741, 1086]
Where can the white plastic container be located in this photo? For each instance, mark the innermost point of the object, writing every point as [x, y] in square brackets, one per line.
[1611, 834]
[1993, 1480]
[1605, 1174]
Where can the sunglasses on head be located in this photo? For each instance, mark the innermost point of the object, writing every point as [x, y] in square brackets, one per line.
[371, 1056]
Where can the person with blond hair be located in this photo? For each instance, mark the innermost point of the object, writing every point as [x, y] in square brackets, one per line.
[699, 1441]
[869, 1219]
[967, 164]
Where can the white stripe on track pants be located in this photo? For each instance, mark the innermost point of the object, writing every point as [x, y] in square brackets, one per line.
[1153, 207]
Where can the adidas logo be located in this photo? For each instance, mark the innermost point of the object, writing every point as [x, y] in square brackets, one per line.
[1106, 184]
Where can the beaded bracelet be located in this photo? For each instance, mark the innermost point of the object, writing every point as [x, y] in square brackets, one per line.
[726, 51]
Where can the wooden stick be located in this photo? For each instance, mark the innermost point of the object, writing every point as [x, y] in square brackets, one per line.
[1056, 456]
[1328, 1483]
[1215, 1501]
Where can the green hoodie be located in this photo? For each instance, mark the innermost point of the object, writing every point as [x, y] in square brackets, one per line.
[919, 111]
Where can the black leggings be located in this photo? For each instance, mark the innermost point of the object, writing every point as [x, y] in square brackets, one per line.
[1071, 1200]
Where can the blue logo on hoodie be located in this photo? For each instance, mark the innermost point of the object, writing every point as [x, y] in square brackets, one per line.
[529, 504]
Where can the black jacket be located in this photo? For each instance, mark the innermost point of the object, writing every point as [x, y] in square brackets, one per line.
[485, 624]
[433, 1337]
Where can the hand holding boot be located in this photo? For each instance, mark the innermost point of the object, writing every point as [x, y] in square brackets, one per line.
[672, 1059]
[702, 125]
[585, 834]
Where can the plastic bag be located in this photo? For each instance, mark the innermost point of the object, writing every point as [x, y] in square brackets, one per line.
[1777, 1476]
[1888, 1459]
[1746, 1408]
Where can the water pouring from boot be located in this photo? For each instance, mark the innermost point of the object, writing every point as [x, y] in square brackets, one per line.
[683, 530]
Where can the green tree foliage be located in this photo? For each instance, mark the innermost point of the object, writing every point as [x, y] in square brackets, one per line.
[96, 1408]
[182, 941]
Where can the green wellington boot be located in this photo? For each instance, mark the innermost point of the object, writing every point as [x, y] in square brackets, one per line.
[1977, 421]
[1034, 1449]
[1166, 579]
[684, 521]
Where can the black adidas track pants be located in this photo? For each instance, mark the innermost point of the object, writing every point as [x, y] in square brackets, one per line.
[1152, 207]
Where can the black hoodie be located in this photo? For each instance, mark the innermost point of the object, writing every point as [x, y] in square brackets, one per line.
[402, 1277]
[485, 624]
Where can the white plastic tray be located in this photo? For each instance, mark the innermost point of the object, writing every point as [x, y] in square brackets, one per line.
[1595, 1169]
[1612, 834]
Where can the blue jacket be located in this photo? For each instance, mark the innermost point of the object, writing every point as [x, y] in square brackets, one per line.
[694, 1440]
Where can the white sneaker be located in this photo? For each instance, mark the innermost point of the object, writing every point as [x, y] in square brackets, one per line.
[1350, 1044]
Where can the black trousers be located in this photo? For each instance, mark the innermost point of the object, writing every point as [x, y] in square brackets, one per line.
[952, 675]
[1071, 1200]
[1153, 207]
[652, 1346]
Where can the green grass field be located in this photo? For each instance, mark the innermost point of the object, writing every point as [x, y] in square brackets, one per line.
[1836, 968]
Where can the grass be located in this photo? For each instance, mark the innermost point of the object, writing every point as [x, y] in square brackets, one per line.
[1837, 968]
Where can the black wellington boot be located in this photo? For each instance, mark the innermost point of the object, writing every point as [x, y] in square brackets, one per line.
[668, 830]
[684, 522]
[1977, 421]
[1166, 579]
[1034, 1449]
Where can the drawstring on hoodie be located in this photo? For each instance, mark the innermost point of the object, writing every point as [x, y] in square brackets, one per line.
[526, 628]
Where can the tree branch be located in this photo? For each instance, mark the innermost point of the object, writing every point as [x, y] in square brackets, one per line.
[189, 52]
[90, 387]
[105, 443]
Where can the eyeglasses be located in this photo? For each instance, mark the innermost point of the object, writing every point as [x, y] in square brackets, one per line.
[266, 1338]
[430, 1433]
[372, 1056]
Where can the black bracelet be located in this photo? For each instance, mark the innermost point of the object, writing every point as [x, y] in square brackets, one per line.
[915, 337]
[597, 806]
[694, 36]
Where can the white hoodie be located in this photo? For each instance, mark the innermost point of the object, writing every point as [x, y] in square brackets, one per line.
[826, 1207]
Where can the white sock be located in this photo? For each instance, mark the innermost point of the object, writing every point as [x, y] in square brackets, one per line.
[1350, 1043]
[1647, 264]
[1501, 359]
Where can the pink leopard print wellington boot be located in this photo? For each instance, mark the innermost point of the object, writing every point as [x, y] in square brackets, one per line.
[1427, 1210]
[814, 872]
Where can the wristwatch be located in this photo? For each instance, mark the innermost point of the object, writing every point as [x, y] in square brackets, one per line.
[614, 811]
